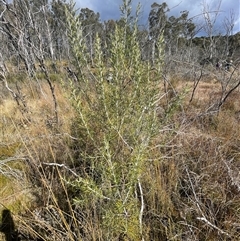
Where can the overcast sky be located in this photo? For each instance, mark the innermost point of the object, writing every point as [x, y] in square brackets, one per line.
[109, 9]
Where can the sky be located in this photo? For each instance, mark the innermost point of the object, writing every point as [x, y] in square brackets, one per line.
[109, 9]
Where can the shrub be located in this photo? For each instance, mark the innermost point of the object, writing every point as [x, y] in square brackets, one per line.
[115, 123]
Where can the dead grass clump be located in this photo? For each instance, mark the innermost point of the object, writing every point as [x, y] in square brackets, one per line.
[34, 142]
[196, 183]
[205, 185]
[228, 126]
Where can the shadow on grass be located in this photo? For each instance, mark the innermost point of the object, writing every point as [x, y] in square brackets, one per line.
[8, 227]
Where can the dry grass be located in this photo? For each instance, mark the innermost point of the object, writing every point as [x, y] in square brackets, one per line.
[28, 138]
[191, 185]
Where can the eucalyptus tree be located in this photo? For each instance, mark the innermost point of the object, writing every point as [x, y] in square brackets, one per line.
[157, 22]
[91, 28]
[58, 27]
[178, 30]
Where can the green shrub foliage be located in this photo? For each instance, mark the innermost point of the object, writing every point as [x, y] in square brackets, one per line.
[115, 102]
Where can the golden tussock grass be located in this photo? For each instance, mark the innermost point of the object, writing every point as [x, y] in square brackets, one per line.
[30, 133]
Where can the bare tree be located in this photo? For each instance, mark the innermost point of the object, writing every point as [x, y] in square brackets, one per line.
[27, 30]
[210, 17]
[228, 24]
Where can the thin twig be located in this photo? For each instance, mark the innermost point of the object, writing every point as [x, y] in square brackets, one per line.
[195, 85]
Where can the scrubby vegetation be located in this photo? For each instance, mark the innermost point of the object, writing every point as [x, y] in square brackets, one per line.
[108, 146]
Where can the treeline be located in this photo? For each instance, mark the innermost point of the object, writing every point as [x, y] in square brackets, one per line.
[34, 31]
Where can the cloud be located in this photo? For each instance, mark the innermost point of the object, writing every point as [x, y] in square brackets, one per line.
[109, 9]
